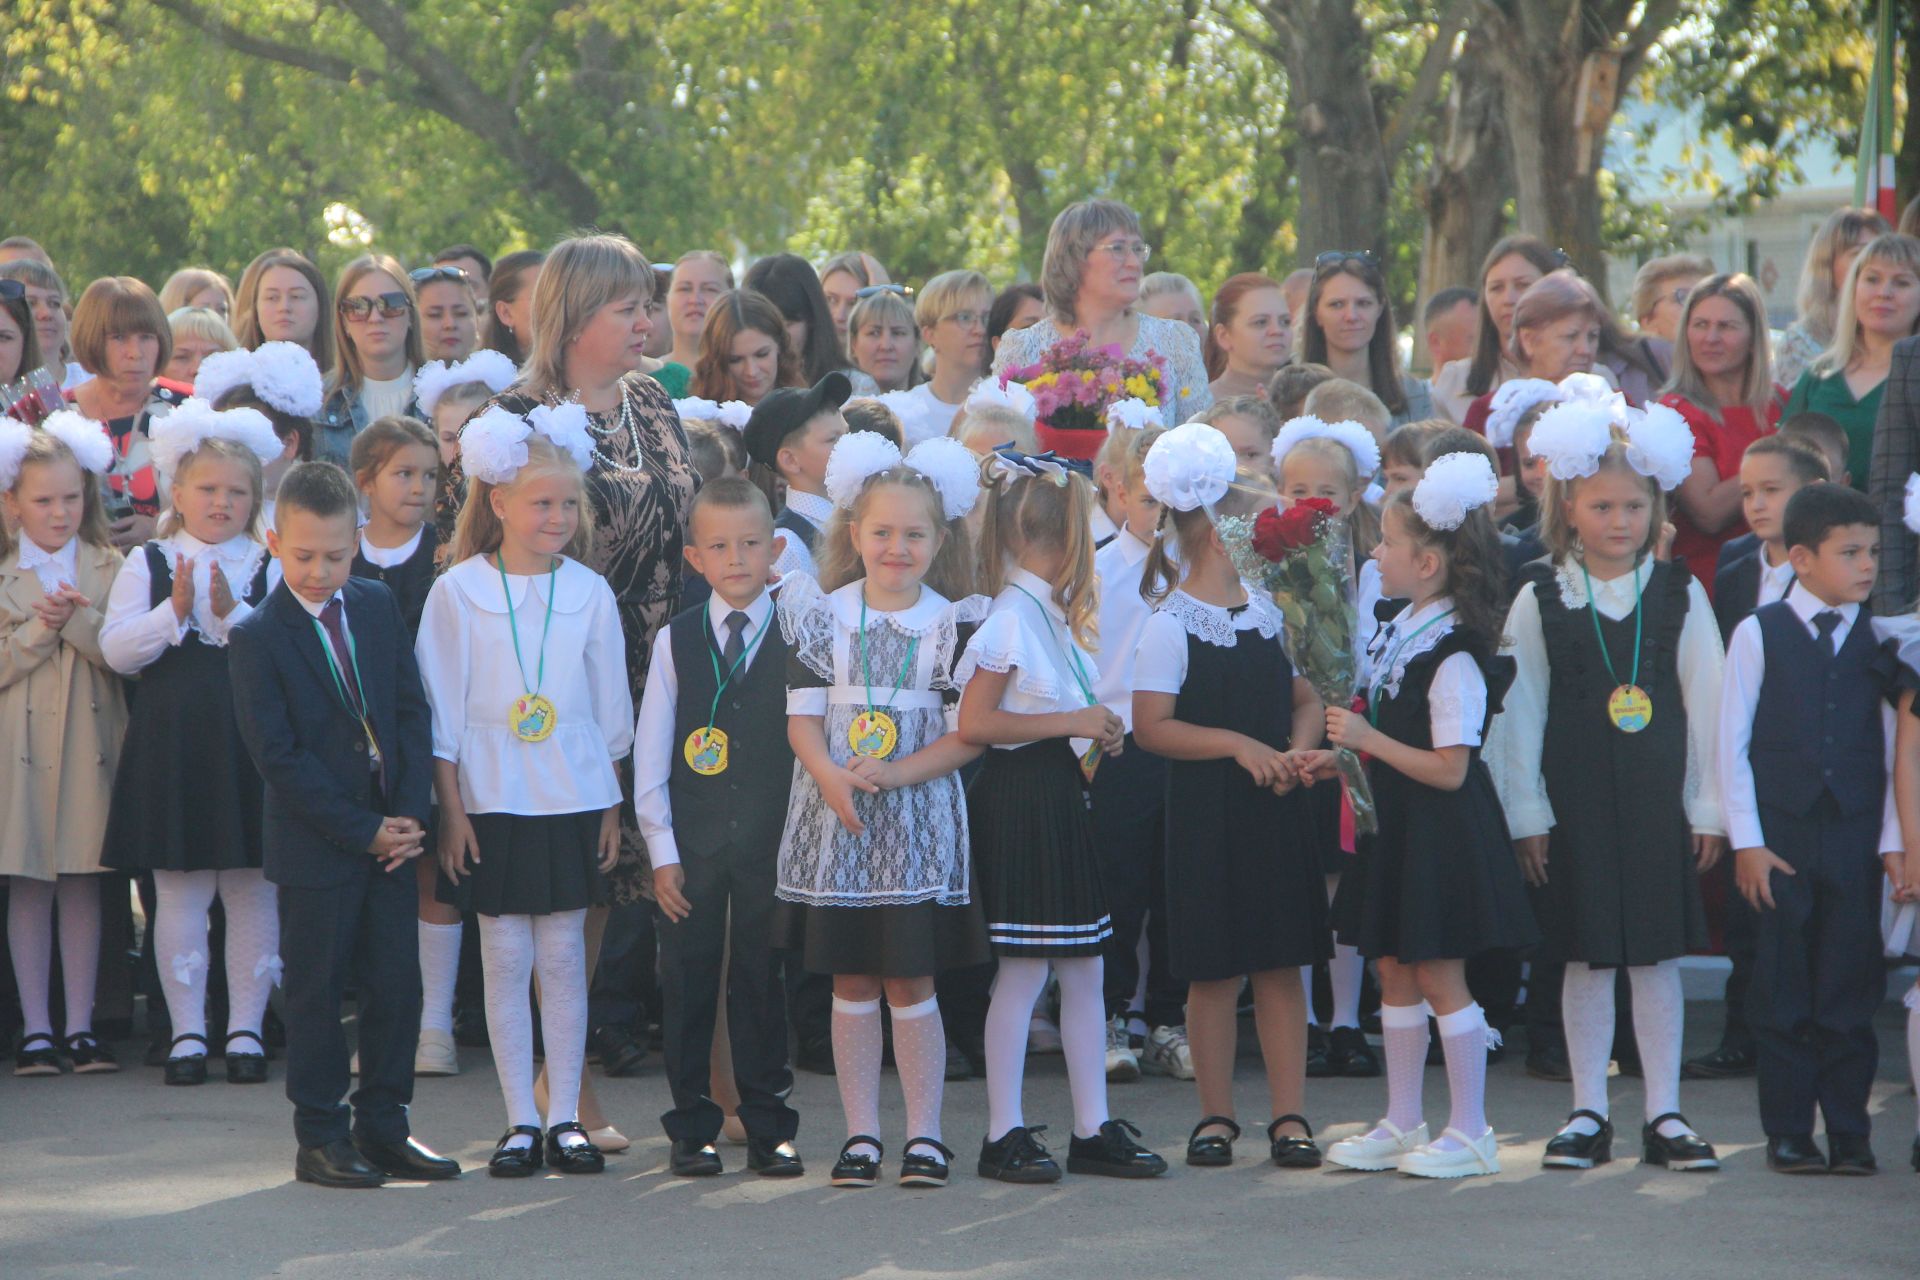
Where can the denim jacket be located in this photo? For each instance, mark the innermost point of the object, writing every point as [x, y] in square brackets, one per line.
[342, 417]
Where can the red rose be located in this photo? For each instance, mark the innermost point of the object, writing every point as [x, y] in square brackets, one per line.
[1268, 542]
[1322, 505]
[1277, 534]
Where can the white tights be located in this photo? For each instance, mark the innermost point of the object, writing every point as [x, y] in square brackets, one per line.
[1659, 1016]
[510, 949]
[183, 899]
[1083, 1036]
[30, 907]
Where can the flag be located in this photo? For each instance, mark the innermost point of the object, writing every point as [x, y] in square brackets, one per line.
[1873, 185]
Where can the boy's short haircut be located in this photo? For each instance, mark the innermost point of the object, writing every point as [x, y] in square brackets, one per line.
[1451, 440]
[1406, 444]
[1291, 384]
[730, 491]
[714, 449]
[1255, 409]
[864, 413]
[317, 488]
[1824, 432]
[1820, 508]
[1804, 458]
[1337, 400]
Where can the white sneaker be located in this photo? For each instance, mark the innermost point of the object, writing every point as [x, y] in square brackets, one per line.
[1370, 1154]
[1122, 1066]
[1472, 1157]
[1043, 1035]
[1168, 1054]
[434, 1055]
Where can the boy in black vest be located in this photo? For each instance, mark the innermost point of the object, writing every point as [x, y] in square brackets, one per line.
[333, 712]
[1806, 745]
[711, 772]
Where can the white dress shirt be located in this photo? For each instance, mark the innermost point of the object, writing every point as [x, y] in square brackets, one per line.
[1457, 696]
[924, 416]
[1775, 579]
[134, 634]
[473, 676]
[1746, 669]
[1515, 745]
[51, 567]
[654, 743]
[388, 557]
[1026, 634]
[1123, 616]
[794, 556]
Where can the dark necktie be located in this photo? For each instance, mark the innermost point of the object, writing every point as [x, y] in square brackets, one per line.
[736, 639]
[1824, 622]
[330, 622]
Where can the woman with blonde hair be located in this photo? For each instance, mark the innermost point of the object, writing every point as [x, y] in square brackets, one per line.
[843, 278]
[951, 312]
[198, 287]
[376, 348]
[1822, 273]
[197, 334]
[700, 278]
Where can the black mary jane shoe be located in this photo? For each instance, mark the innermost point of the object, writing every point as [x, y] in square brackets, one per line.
[772, 1159]
[246, 1068]
[857, 1170]
[573, 1157]
[1580, 1150]
[1850, 1154]
[1290, 1152]
[38, 1055]
[191, 1069]
[407, 1159]
[1018, 1156]
[1113, 1152]
[516, 1161]
[1212, 1150]
[923, 1170]
[1798, 1153]
[690, 1159]
[89, 1056]
[1688, 1153]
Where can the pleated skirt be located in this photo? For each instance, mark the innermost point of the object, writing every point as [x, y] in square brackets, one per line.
[1034, 854]
[530, 866]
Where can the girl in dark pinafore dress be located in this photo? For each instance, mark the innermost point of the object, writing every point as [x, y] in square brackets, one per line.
[1632, 800]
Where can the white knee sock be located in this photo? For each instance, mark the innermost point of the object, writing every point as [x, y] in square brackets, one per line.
[1586, 1011]
[1015, 987]
[1912, 1002]
[1403, 1035]
[920, 1053]
[1463, 1035]
[30, 943]
[1306, 985]
[253, 950]
[1659, 1022]
[181, 900]
[560, 953]
[856, 1067]
[506, 963]
[79, 898]
[439, 967]
[1083, 1036]
[1346, 970]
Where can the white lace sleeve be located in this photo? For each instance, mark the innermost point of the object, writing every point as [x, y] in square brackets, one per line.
[806, 620]
[1702, 667]
[1457, 702]
[946, 639]
[1518, 735]
[1186, 370]
[1005, 643]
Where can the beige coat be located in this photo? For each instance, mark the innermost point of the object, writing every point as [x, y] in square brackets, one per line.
[62, 716]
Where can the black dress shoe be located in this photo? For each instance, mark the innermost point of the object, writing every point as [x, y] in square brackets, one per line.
[337, 1164]
[772, 1159]
[1797, 1154]
[244, 1067]
[690, 1159]
[407, 1159]
[1113, 1153]
[1728, 1062]
[1580, 1150]
[1688, 1153]
[521, 1161]
[621, 1054]
[1850, 1154]
[925, 1163]
[857, 1169]
[1288, 1151]
[1212, 1150]
[815, 1056]
[1319, 1066]
[573, 1157]
[1549, 1062]
[88, 1056]
[958, 1068]
[191, 1069]
[1019, 1156]
[1349, 1054]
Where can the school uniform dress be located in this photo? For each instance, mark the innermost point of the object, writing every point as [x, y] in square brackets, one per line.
[1806, 749]
[535, 806]
[896, 900]
[1027, 809]
[1438, 880]
[186, 796]
[1244, 888]
[407, 570]
[1622, 807]
[723, 830]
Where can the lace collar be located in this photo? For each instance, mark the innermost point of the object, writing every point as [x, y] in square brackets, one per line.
[51, 567]
[1220, 625]
[917, 619]
[1412, 632]
[1620, 592]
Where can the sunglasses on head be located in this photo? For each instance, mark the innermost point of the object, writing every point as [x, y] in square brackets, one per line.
[1335, 257]
[427, 275]
[390, 306]
[12, 290]
[873, 289]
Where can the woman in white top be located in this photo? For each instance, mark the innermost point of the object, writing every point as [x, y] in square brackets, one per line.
[376, 343]
[952, 314]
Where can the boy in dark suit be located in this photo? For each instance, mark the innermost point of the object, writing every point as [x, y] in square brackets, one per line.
[1825, 437]
[1806, 746]
[332, 710]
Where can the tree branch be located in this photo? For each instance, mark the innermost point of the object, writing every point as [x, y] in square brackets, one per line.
[325, 65]
[1426, 82]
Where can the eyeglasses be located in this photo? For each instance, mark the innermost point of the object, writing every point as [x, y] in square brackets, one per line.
[390, 306]
[873, 290]
[12, 290]
[1680, 293]
[1124, 249]
[966, 319]
[1336, 257]
[427, 275]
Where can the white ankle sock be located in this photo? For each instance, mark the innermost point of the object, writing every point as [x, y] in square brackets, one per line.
[1659, 1023]
[439, 968]
[920, 1054]
[1586, 1012]
[1345, 971]
[1016, 985]
[1464, 1038]
[1083, 1037]
[560, 954]
[506, 963]
[856, 1066]
[181, 900]
[1403, 1036]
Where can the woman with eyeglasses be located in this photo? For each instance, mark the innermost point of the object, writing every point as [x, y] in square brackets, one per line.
[1091, 277]
[449, 312]
[1347, 325]
[842, 279]
[46, 296]
[1510, 268]
[123, 340]
[788, 281]
[283, 298]
[951, 312]
[376, 338]
[1822, 273]
[883, 341]
[700, 278]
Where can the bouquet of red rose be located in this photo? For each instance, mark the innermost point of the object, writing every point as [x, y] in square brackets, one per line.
[1073, 385]
[1300, 556]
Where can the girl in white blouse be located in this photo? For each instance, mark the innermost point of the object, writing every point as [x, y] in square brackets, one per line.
[1607, 742]
[521, 653]
[1030, 695]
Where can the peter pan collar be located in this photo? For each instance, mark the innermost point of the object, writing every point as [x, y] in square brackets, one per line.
[479, 581]
[917, 618]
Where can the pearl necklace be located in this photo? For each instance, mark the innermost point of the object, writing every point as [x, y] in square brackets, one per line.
[613, 429]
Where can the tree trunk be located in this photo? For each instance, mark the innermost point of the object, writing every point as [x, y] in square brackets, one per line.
[1342, 173]
[1467, 184]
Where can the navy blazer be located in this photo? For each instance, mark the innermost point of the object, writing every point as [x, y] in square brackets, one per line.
[310, 749]
[1734, 549]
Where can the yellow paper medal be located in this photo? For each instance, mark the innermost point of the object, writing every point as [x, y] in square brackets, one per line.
[706, 751]
[873, 734]
[533, 718]
[1630, 709]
